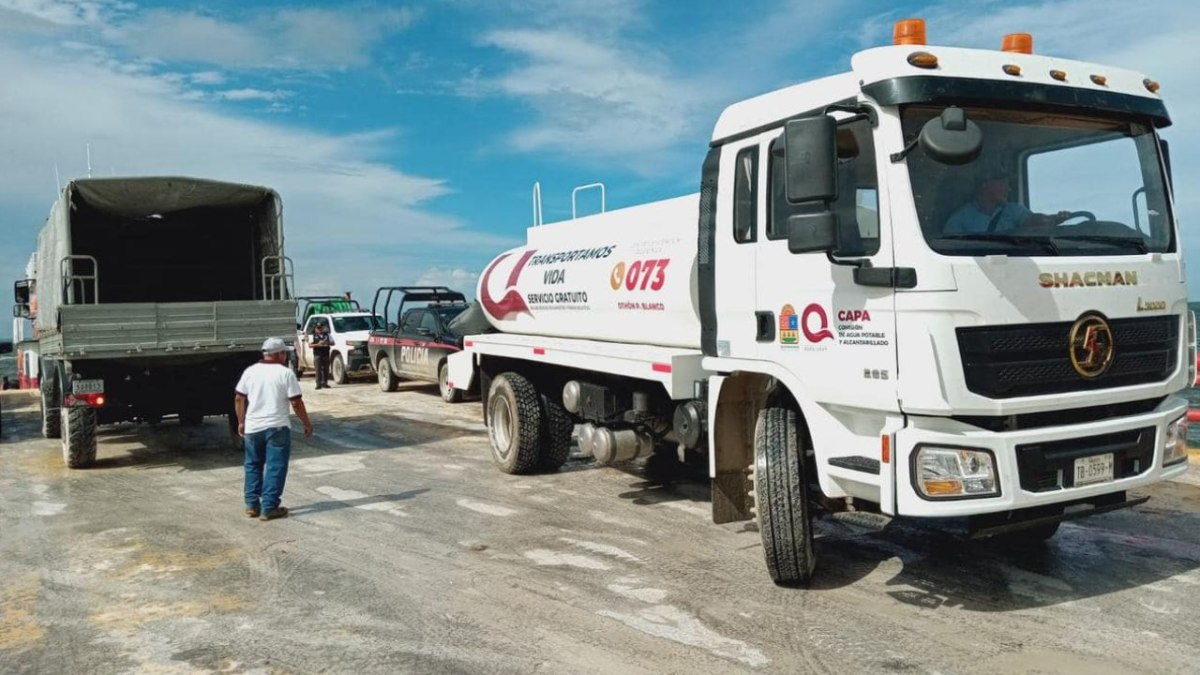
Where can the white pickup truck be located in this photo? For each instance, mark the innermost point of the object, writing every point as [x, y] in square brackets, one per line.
[350, 328]
[877, 302]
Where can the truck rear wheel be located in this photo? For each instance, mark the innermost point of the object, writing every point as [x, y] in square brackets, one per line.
[387, 379]
[781, 497]
[337, 370]
[514, 423]
[449, 394]
[556, 434]
[79, 437]
[51, 414]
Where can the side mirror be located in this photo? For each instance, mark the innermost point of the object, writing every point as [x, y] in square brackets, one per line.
[812, 232]
[21, 292]
[810, 155]
[951, 138]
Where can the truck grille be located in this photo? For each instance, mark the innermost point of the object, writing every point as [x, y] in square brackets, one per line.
[1051, 465]
[1034, 359]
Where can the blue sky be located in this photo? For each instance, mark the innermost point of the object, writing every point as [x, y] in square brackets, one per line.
[405, 137]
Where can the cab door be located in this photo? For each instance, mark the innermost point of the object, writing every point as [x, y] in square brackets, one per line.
[407, 357]
[836, 334]
[305, 351]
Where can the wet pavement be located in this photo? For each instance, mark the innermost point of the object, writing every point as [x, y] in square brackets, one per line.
[407, 551]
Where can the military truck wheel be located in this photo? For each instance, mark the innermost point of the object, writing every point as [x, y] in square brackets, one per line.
[514, 423]
[556, 434]
[387, 379]
[79, 437]
[337, 370]
[449, 394]
[781, 497]
[51, 414]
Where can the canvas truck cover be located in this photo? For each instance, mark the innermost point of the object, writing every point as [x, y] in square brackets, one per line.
[159, 239]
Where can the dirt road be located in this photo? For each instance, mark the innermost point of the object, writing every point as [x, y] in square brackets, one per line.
[407, 551]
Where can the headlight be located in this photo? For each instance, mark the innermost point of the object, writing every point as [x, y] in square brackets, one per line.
[1175, 442]
[1190, 336]
[943, 473]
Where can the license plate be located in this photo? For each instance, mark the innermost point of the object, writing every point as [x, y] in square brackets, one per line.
[1094, 469]
[88, 387]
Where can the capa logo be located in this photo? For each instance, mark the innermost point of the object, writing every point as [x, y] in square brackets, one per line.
[853, 315]
[814, 322]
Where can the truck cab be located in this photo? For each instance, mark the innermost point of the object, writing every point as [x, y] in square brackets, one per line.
[414, 345]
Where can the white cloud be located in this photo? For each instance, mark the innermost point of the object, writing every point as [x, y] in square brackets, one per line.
[458, 278]
[299, 39]
[348, 214]
[207, 77]
[63, 12]
[595, 99]
[254, 95]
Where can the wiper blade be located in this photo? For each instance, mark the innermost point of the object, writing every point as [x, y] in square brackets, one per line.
[1045, 242]
[1138, 244]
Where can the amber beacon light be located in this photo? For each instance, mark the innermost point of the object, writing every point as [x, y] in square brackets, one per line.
[909, 32]
[1017, 43]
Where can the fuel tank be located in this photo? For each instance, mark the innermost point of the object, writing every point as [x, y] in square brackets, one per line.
[622, 276]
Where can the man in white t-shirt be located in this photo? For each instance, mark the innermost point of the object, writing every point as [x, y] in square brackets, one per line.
[262, 398]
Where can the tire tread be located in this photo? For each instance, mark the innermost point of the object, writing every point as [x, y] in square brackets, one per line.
[781, 495]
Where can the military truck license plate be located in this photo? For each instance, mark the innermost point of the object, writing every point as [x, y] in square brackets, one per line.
[1094, 469]
[88, 387]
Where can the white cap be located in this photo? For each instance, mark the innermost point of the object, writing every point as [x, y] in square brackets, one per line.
[274, 346]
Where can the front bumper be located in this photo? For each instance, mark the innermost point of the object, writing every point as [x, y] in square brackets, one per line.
[1006, 446]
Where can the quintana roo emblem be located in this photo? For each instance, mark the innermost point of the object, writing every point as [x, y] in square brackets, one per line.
[511, 304]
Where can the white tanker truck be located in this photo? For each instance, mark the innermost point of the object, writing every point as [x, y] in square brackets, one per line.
[877, 302]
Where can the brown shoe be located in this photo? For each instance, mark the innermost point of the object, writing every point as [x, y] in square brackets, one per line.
[253, 513]
[280, 512]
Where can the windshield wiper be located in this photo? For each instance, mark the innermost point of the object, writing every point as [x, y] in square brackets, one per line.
[1045, 242]
[1138, 245]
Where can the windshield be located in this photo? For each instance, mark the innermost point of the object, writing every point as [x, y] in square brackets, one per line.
[1044, 184]
[350, 324]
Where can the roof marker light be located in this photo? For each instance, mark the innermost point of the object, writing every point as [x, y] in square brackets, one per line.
[1151, 85]
[922, 60]
[1100, 80]
[1060, 75]
[1017, 43]
[1011, 69]
[909, 32]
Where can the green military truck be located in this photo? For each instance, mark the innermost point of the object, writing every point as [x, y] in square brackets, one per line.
[150, 296]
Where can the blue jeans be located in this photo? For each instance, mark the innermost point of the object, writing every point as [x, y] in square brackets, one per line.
[267, 455]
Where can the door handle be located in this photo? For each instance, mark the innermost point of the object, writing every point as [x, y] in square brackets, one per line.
[764, 326]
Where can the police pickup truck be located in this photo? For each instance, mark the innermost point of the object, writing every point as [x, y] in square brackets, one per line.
[417, 337]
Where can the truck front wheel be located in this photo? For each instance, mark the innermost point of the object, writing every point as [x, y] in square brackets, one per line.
[337, 370]
[514, 423]
[781, 497]
[387, 379]
[79, 437]
[51, 414]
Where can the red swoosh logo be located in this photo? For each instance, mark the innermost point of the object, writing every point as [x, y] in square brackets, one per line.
[823, 332]
[512, 304]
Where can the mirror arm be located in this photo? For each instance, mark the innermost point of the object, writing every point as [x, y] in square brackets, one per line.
[860, 112]
[908, 147]
[847, 262]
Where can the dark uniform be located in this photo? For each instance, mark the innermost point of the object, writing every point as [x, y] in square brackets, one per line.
[321, 342]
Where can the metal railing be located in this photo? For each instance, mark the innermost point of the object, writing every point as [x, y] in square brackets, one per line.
[75, 284]
[278, 276]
